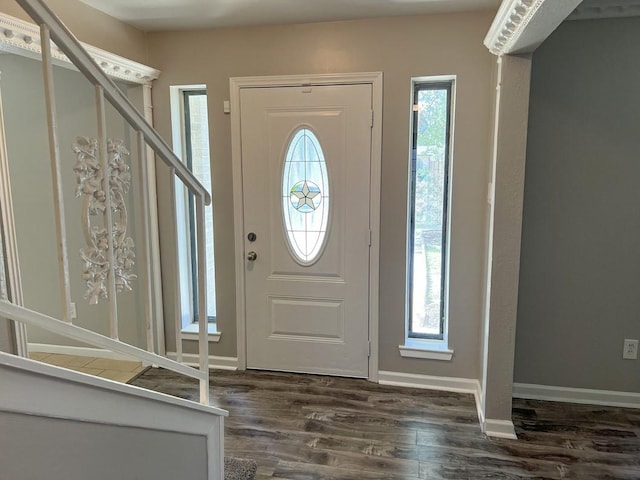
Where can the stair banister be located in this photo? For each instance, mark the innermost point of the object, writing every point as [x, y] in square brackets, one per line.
[72, 48]
[40, 320]
[53, 28]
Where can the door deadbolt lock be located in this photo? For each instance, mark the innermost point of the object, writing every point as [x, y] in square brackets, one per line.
[251, 256]
[251, 237]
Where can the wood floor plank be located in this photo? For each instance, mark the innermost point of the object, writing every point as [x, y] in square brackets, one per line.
[344, 444]
[304, 471]
[313, 427]
[437, 471]
[346, 460]
[257, 419]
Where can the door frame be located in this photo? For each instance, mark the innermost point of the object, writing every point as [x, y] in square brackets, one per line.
[236, 84]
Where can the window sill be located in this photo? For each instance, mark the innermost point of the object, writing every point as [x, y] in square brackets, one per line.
[434, 350]
[190, 332]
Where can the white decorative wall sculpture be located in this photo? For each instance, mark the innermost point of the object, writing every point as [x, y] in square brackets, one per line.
[89, 176]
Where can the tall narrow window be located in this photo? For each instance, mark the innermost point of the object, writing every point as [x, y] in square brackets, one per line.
[428, 205]
[196, 139]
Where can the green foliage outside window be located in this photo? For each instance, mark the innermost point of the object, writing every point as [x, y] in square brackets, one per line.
[429, 196]
[430, 158]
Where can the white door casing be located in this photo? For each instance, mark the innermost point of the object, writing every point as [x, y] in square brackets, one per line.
[318, 316]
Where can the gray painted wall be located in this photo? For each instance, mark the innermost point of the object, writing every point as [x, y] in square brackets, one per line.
[7, 340]
[28, 153]
[33, 448]
[580, 261]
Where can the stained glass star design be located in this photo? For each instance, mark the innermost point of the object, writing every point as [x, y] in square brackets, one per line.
[305, 196]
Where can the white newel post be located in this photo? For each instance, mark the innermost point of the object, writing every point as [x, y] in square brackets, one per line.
[203, 318]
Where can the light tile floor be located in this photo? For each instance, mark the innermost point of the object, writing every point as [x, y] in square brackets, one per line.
[118, 370]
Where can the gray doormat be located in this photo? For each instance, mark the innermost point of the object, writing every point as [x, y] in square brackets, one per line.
[239, 469]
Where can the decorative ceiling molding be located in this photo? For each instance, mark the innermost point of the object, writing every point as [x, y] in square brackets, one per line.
[594, 9]
[23, 38]
[520, 26]
[510, 21]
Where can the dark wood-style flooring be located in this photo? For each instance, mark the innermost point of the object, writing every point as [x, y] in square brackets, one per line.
[313, 427]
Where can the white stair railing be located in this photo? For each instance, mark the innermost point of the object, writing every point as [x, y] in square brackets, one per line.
[52, 28]
[68, 330]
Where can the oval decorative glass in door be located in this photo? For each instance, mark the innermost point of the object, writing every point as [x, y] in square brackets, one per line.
[305, 196]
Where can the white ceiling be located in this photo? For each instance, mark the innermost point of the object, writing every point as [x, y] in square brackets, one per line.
[153, 15]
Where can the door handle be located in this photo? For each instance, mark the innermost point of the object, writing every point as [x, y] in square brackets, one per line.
[251, 256]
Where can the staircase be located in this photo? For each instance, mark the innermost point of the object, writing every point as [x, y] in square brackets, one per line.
[61, 424]
[169, 433]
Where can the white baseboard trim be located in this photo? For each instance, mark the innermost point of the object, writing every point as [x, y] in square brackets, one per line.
[215, 363]
[608, 398]
[499, 428]
[77, 351]
[490, 427]
[479, 405]
[429, 382]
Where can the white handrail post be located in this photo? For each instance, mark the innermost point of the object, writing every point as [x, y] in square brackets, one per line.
[178, 299]
[56, 178]
[108, 216]
[203, 319]
[146, 239]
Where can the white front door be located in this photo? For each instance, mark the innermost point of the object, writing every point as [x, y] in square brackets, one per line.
[306, 163]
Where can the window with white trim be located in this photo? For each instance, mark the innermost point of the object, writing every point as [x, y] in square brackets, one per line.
[191, 140]
[427, 275]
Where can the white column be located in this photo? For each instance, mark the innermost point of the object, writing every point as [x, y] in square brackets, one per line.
[154, 231]
[505, 231]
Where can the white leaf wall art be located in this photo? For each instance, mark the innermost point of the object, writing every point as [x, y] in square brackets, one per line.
[89, 176]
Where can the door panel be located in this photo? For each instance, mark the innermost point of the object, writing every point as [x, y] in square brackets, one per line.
[312, 319]
[307, 316]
